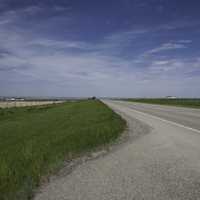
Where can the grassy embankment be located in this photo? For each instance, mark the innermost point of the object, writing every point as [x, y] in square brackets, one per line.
[34, 141]
[191, 103]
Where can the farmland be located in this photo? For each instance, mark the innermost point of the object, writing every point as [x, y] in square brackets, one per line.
[34, 141]
[9, 104]
[183, 102]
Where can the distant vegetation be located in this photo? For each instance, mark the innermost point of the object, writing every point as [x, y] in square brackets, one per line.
[34, 141]
[192, 103]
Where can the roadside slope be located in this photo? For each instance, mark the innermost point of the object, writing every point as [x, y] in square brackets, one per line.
[34, 141]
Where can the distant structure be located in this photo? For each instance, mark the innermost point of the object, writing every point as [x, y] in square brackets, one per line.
[14, 99]
[171, 97]
[10, 99]
[92, 98]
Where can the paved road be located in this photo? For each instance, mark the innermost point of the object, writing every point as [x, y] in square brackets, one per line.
[161, 160]
[186, 116]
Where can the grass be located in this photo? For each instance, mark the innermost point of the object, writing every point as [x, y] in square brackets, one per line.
[34, 141]
[191, 103]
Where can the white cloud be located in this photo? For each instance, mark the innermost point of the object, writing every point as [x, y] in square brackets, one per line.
[161, 62]
[179, 24]
[94, 70]
[60, 44]
[165, 47]
[185, 41]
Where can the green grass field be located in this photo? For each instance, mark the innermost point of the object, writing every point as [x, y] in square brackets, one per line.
[34, 141]
[191, 103]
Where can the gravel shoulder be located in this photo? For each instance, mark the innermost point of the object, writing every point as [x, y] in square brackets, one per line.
[59, 186]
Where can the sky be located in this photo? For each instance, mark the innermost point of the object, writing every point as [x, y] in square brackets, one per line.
[107, 48]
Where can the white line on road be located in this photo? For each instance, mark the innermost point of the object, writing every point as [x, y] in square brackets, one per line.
[167, 121]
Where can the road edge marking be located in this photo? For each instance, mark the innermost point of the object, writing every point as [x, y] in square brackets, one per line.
[166, 121]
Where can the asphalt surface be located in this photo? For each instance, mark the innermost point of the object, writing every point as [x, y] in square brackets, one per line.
[160, 160]
[187, 116]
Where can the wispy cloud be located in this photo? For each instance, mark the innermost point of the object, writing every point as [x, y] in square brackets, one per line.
[185, 41]
[166, 47]
[135, 61]
[58, 44]
[179, 24]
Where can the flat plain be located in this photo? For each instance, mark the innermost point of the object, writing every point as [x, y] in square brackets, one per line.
[181, 102]
[34, 141]
[10, 104]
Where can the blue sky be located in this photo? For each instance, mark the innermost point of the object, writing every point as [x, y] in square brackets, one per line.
[122, 48]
